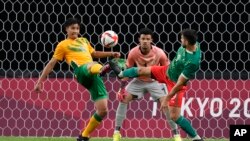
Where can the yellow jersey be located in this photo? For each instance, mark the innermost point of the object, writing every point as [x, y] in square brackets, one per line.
[78, 50]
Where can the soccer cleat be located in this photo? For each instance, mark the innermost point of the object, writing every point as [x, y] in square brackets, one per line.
[81, 138]
[198, 139]
[177, 137]
[115, 67]
[117, 136]
[105, 69]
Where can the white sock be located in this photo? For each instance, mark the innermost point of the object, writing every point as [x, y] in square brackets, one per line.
[197, 137]
[177, 135]
[120, 74]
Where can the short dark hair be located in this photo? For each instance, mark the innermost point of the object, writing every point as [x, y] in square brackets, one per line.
[71, 21]
[146, 31]
[190, 35]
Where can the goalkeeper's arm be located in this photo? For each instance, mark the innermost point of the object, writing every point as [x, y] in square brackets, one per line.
[122, 92]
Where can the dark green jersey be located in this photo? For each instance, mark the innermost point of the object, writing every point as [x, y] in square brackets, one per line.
[185, 63]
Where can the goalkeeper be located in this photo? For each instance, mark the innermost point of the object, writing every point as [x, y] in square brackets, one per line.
[78, 53]
[145, 54]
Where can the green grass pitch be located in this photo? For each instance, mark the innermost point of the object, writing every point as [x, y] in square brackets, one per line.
[92, 139]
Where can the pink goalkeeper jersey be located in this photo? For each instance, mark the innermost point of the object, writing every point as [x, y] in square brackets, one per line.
[156, 57]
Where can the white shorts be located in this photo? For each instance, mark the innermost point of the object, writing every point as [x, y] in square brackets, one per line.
[140, 88]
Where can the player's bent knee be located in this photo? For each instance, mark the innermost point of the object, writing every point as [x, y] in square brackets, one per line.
[101, 107]
[140, 71]
[95, 68]
[102, 112]
[144, 71]
[175, 113]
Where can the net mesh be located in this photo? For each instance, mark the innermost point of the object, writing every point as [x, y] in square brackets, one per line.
[30, 31]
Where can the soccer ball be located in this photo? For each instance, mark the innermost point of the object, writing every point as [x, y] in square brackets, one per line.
[109, 39]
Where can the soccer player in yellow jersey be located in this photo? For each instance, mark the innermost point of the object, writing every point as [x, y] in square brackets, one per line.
[78, 53]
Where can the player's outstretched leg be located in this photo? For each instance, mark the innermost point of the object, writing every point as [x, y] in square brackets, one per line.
[131, 72]
[115, 67]
[105, 69]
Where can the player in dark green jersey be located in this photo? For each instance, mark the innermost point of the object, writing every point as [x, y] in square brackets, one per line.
[181, 69]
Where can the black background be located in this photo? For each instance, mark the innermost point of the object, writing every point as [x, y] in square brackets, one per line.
[30, 31]
[233, 129]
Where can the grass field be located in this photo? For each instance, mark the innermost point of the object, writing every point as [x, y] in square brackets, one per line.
[92, 139]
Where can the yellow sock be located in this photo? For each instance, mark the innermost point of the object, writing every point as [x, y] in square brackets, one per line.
[94, 121]
[96, 68]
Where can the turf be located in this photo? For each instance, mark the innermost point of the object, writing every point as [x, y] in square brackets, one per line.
[92, 139]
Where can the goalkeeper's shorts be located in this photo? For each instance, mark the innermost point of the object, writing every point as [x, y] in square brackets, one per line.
[92, 82]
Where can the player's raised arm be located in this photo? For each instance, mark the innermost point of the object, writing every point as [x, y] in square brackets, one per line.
[101, 54]
[48, 68]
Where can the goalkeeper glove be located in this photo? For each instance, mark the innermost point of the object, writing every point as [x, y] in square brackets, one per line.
[121, 94]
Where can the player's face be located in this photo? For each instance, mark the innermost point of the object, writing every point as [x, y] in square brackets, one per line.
[73, 31]
[184, 41]
[145, 42]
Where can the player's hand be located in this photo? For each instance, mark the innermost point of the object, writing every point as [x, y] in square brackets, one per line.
[121, 94]
[164, 104]
[116, 54]
[38, 87]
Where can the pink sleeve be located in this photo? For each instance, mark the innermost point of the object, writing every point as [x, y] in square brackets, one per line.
[130, 61]
[163, 59]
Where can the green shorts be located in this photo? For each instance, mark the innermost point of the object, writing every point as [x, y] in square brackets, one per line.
[93, 83]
